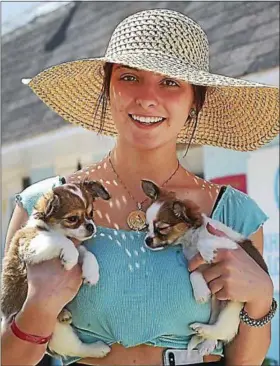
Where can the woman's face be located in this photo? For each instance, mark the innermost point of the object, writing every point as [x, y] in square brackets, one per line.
[148, 109]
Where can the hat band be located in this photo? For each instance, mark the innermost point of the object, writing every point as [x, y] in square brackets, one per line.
[124, 57]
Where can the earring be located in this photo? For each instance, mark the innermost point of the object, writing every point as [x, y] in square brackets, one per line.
[192, 113]
[191, 116]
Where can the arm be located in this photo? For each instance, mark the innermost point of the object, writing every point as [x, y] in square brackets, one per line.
[234, 275]
[26, 353]
[18, 352]
[251, 344]
[50, 287]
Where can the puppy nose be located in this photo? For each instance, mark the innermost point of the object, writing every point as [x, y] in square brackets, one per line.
[149, 241]
[90, 228]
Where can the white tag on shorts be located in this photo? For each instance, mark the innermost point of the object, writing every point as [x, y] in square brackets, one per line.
[181, 357]
[188, 357]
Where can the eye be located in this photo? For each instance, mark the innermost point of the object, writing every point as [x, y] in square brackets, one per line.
[170, 82]
[73, 218]
[128, 78]
[164, 229]
[91, 213]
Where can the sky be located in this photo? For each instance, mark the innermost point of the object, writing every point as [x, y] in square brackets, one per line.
[17, 13]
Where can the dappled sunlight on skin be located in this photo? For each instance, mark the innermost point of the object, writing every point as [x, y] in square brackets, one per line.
[99, 213]
[124, 199]
[118, 204]
[114, 212]
[108, 218]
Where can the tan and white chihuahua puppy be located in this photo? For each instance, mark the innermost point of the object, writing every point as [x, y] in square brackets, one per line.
[62, 213]
[171, 222]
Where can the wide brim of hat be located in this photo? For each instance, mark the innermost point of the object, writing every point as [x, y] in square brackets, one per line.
[236, 114]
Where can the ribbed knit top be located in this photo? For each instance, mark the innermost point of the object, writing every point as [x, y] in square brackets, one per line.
[144, 297]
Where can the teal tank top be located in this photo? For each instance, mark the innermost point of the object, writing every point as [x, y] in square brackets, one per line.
[143, 297]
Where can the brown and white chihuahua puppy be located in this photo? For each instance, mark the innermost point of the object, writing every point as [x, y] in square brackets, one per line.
[171, 222]
[62, 213]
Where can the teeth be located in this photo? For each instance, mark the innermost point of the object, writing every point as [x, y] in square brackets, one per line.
[147, 119]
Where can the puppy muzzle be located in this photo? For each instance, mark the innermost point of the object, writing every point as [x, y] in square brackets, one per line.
[149, 243]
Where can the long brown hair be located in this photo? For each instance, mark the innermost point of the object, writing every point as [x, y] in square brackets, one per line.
[104, 97]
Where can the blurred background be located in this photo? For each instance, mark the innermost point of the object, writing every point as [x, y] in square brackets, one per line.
[36, 143]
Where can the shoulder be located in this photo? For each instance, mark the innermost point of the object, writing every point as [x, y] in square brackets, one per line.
[29, 196]
[191, 181]
[239, 211]
[202, 192]
[91, 172]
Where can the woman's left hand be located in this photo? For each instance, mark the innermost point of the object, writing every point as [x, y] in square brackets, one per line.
[234, 275]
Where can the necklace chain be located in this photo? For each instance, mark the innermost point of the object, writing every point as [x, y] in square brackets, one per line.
[139, 204]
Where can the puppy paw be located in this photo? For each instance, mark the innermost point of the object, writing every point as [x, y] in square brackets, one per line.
[90, 277]
[90, 269]
[69, 257]
[194, 341]
[201, 290]
[202, 295]
[208, 254]
[206, 347]
[99, 349]
[204, 331]
[65, 317]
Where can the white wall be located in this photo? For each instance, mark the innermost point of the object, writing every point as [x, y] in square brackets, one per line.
[54, 153]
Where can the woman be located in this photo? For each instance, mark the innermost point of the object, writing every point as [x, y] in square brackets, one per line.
[152, 89]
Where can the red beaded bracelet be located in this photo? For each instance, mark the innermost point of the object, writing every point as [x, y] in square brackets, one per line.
[28, 337]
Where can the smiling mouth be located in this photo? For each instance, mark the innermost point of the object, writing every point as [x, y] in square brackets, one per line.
[147, 121]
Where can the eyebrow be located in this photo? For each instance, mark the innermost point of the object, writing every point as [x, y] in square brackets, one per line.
[126, 67]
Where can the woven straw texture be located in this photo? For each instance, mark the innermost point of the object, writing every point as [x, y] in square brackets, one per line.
[236, 114]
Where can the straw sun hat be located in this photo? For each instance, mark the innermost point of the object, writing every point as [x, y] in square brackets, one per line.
[236, 114]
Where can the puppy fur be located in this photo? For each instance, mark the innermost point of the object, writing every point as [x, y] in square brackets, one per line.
[62, 213]
[171, 222]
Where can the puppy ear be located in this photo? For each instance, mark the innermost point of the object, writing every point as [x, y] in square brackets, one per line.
[150, 189]
[97, 189]
[180, 211]
[189, 212]
[52, 205]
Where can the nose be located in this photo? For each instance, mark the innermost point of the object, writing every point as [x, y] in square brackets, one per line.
[90, 228]
[148, 241]
[147, 98]
[146, 103]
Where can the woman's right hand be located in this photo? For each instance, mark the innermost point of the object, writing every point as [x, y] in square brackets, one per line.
[51, 286]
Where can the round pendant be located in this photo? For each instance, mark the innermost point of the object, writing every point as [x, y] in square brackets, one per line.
[136, 220]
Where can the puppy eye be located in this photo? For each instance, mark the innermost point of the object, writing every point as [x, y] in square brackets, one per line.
[91, 213]
[164, 229]
[163, 226]
[73, 218]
